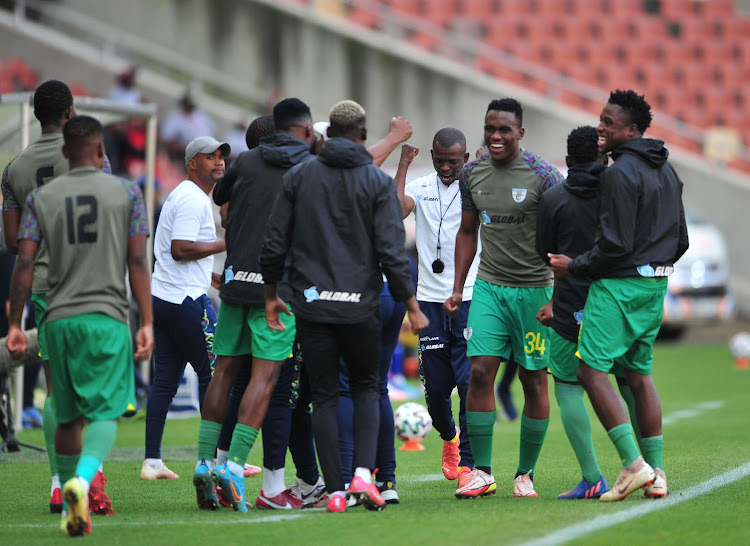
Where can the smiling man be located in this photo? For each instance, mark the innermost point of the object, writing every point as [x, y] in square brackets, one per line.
[443, 364]
[502, 190]
[642, 233]
[184, 318]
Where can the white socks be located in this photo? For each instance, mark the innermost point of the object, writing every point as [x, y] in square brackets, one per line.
[154, 463]
[55, 483]
[236, 469]
[364, 474]
[221, 456]
[209, 464]
[273, 481]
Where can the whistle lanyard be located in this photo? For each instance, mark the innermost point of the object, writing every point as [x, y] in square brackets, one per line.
[442, 213]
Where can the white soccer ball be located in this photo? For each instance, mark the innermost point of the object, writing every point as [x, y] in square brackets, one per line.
[413, 422]
[740, 345]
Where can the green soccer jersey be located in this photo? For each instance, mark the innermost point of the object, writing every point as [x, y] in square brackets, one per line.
[35, 166]
[506, 200]
[39, 163]
[87, 218]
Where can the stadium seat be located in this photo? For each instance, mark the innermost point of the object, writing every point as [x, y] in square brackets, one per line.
[618, 9]
[516, 8]
[408, 7]
[425, 40]
[365, 18]
[477, 9]
[734, 29]
[709, 8]
[550, 9]
[648, 28]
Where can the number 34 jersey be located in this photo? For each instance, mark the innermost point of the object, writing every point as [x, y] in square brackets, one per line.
[35, 166]
[86, 218]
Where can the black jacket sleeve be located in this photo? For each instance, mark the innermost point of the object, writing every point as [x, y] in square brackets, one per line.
[619, 199]
[278, 234]
[545, 228]
[223, 188]
[389, 242]
[683, 243]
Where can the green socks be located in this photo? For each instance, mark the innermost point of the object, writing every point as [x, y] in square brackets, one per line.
[208, 437]
[97, 443]
[66, 464]
[577, 425]
[49, 425]
[533, 432]
[480, 425]
[653, 451]
[243, 439]
[627, 395]
[622, 437]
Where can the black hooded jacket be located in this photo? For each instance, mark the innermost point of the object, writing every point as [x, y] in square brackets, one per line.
[566, 224]
[642, 230]
[251, 185]
[336, 223]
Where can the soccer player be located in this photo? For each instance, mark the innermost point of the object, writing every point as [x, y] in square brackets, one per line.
[241, 330]
[184, 318]
[502, 192]
[337, 220]
[566, 223]
[642, 233]
[95, 228]
[443, 364]
[35, 166]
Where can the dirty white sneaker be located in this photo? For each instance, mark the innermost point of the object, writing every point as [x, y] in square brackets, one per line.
[479, 484]
[657, 490]
[632, 478]
[309, 493]
[148, 472]
[523, 486]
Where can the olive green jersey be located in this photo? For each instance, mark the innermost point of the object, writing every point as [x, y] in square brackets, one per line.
[35, 166]
[506, 200]
[86, 217]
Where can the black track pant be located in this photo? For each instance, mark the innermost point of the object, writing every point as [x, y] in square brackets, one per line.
[359, 345]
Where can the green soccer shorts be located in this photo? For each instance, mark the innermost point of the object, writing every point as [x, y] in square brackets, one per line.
[502, 321]
[91, 360]
[620, 322]
[40, 309]
[242, 330]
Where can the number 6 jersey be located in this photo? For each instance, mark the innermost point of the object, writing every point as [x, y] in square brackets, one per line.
[35, 166]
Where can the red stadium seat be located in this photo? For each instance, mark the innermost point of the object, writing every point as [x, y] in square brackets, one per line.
[364, 18]
[516, 7]
[477, 9]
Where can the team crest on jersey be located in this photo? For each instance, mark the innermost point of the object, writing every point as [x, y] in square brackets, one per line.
[467, 333]
[519, 194]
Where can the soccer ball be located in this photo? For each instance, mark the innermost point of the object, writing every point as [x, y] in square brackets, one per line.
[413, 422]
[740, 345]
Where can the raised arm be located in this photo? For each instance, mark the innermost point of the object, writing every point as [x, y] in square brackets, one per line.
[399, 130]
[408, 153]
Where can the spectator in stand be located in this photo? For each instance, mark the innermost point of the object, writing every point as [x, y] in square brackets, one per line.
[183, 125]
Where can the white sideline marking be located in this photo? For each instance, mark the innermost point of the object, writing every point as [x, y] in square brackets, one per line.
[129, 523]
[579, 530]
[690, 413]
[425, 478]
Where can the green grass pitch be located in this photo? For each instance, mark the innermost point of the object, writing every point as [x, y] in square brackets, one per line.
[706, 405]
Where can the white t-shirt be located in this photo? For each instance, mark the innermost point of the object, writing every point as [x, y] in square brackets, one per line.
[433, 200]
[186, 216]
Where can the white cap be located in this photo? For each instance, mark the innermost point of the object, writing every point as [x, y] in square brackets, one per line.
[322, 128]
[205, 145]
